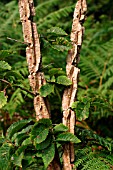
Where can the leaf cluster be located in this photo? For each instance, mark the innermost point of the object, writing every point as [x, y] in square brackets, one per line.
[27, 139]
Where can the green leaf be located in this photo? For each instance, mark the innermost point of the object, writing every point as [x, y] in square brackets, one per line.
[86, 100]
[17, 159]
[54, 71]
[4, 66]
[60, 128]
[41, 136]
[47, 155]
[40, 130]
[44, 121]
[56, 30]
[67, 137]
[29, 158]
[20, 138]
[21, 149]
[13, 76]
[23, 132]
[5, 53]
[44, 144]
[46, 89]
[74, 105]
[2, 140]
[3, 99]
[60, 47]
[63, 42]
[27, 142]
[53, 79]
[82, 108]
[63, 80]
[5, 156]
[17, 126]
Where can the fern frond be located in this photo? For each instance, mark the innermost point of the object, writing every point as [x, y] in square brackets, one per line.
[52, 18]
[16, 100]
[10, 15]
[95, 163]
[89, 136]
[86, 159]
[43, 8]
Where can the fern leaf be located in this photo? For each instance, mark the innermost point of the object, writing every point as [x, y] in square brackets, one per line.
[54, 17]
[17, 159]
[4, 66]
[56, 30]
[3, 99]
[5, 150]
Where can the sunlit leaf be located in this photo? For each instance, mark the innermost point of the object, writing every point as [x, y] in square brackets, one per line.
[82, 108]
[63, 80]
[4, 66]
[54, 71]
[27, 141]
[3, 99]
[56, 30]
[17, 159]
[5, 156]
[60, 47]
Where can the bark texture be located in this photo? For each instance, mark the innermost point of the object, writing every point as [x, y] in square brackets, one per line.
[73, 71]
[33, 55]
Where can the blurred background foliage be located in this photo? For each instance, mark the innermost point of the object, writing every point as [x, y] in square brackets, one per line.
[96, 76]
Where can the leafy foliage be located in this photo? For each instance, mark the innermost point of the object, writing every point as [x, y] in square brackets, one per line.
[89, 159]
[37, 139]
[46, 90]
[5, 151]
[3, 99]
[17, 126]
[82, 108]
[47, 155]
[94, 108]
[60, 128]
[57, 31]
[93, 138]
[63, 80]
[96, 153]
[4, 65]
[65, 137]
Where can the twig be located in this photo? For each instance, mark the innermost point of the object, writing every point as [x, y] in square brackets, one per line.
[17, 41]
[24, 89]
[5, 81]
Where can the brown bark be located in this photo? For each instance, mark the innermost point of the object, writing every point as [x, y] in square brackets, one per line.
[72, 71]
[33, 56]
